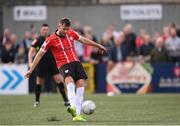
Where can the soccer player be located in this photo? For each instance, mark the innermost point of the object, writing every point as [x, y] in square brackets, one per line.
[46, 65]
[62, 45]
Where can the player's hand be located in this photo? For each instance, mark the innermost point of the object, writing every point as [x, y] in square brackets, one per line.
[27, 75]
[102, 49]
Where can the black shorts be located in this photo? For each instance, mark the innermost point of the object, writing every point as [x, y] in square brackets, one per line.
[74, 69]
[46, 66]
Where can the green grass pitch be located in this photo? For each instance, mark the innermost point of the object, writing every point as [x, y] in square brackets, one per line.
[130, 109]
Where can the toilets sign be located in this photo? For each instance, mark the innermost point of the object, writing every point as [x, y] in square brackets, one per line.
[30, 13]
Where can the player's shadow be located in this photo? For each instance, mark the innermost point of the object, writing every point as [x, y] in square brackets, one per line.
[52, 119]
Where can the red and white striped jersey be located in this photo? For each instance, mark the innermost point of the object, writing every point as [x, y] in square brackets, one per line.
[62, 47]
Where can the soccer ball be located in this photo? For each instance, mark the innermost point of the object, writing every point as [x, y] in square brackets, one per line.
[88, 107]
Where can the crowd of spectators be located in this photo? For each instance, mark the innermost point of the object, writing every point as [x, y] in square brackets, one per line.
[12, 51]
[124, 45]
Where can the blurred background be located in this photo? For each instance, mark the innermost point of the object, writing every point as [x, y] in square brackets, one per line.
[142, 38]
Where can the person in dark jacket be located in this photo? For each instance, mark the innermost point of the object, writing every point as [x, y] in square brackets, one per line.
[9, 50]
[130, 38]
[146, 48]
[119, 52]
[159, 54]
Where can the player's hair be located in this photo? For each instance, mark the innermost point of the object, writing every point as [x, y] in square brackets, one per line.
[66, 22]
[44, 25]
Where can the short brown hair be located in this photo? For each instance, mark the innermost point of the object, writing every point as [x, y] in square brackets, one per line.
[44, 25]
[65, 21]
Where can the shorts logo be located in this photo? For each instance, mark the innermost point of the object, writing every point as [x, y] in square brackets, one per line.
[66, 71]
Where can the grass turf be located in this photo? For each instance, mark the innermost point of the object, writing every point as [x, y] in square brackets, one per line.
[130, 109]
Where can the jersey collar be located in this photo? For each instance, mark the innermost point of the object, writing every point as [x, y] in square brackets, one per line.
[59, 35]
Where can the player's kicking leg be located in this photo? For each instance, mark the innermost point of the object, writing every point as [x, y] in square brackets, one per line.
[75, 99]
[61, 88]
[39, 82]
[79, 100]
[74, 72]
[80, 80]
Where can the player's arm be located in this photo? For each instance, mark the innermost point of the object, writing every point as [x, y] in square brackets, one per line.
[38, 57]
[35, 62]
[86, 41]
[31, 54]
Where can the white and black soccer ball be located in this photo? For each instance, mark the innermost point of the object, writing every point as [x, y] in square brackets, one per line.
[88, 107]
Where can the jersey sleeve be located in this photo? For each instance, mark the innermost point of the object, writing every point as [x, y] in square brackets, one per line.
[46, 45]
[34, 43]
[75, 35]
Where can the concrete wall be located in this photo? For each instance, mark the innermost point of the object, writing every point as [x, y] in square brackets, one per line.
[99, 17]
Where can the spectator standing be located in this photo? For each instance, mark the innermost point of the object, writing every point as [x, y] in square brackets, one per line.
[9, 50]
[173, 45]
[140, 38]
[166, 34]
[111, 32]
[20, 56]
[7, 53]
[35, 36]
[88, 33]
[14, 42]
[159, 54]
[155, 36]
[26, 44]
[145, 49]
[80, 50]
[108, 44]
[78, 28]
[79, 47]
[119, 51]
[5, 37]
[130, 39]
